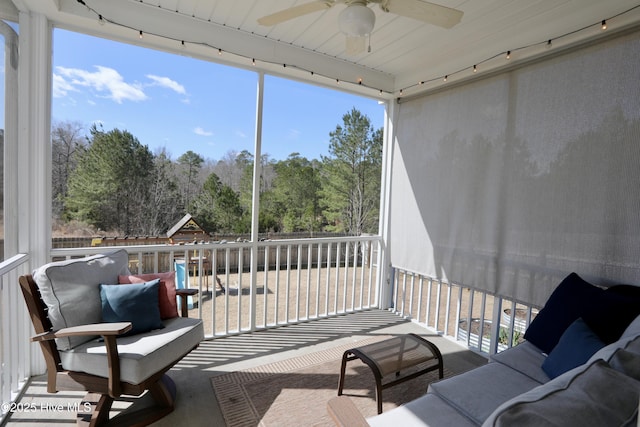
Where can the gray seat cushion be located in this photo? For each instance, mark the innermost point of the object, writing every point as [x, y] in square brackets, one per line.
[71, 290]
[477, 393]
[141, 355]
[428, 410]
[525, 358]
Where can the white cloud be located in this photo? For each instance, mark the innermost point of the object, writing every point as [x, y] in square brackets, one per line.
[168, 83]
[202, 132]
[241, 134]
[61, 87]
[103, 80]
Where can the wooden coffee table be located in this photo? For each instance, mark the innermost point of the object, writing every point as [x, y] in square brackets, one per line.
[394, 355]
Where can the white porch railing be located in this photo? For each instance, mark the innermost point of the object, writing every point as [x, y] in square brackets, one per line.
[15, 345]
[471, 317]
[266, 284]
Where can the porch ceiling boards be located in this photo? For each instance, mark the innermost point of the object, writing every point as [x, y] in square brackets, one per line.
[404, 51]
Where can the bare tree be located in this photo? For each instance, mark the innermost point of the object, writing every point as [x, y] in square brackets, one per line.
[67, 139]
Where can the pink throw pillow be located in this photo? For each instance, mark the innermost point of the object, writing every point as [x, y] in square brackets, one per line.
[167, 291]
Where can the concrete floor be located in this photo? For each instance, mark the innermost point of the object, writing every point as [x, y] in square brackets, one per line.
[196, 404]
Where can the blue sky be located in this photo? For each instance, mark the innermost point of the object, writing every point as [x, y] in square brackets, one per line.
[182, 104]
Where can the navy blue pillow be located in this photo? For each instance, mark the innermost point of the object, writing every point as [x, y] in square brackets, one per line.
[566, 304]
[576, 346]
[135, 303]
[611, 314]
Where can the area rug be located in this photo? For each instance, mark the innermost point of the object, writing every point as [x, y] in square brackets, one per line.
[295, 392]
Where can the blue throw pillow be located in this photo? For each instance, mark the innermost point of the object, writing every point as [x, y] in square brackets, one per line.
[566, 304]
[136, 303]
[576, 346]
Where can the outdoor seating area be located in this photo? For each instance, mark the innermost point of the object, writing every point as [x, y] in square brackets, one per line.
[499, 224]
[109, 339]
[578, 367]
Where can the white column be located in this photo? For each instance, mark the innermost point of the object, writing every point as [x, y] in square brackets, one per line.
[255, 205]
[383, 296]
[11, 170]
[34, 156]
[34, 147]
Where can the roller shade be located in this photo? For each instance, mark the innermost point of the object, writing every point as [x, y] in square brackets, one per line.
[512, 182]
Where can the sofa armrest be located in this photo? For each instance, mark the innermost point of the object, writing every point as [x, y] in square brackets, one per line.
[344, 413]
[184, 293]
[109, 332]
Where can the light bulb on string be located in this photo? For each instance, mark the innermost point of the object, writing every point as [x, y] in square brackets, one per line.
[604, 24]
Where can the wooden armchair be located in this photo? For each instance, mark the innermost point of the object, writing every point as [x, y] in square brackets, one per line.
[112, 365]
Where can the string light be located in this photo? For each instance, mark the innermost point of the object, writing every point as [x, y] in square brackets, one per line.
[102, 20]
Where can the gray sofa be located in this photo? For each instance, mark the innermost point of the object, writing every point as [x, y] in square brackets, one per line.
[580, 378]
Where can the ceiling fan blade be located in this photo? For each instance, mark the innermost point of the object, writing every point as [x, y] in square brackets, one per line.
[355, 45]
[294, 12]
[430, 13]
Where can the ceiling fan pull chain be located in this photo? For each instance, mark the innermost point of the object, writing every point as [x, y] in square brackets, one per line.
[369, 48]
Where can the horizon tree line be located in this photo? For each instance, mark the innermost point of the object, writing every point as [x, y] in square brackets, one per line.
[110, 181]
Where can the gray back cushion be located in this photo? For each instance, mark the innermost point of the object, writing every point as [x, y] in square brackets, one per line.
[71, 290]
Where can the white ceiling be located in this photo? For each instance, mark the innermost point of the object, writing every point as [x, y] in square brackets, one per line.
[404, 52]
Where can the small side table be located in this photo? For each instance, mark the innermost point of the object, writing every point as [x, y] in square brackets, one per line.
[393, 356]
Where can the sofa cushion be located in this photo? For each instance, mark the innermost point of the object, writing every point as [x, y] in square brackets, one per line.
[141, 355]
[136, 303]
[525, 358]
[630, 343]
[477, 393]
[608, 314]
[71, 290]
[576, 346]
[167, 301]
[633, 330]
[626, 362]
[590, 395]
[426, 410]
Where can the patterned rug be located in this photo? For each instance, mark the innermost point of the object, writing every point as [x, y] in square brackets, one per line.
[295, 392]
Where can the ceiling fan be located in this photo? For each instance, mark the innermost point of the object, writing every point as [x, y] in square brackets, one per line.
[357, 20]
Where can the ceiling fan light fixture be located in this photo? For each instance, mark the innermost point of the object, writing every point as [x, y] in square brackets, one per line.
[356, 20]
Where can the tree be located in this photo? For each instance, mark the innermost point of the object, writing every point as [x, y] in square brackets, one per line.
[164, 195]
[190, 163]
[67, 139]
[296, 193]
[110, 186]
[351, 184]
[218, 206]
